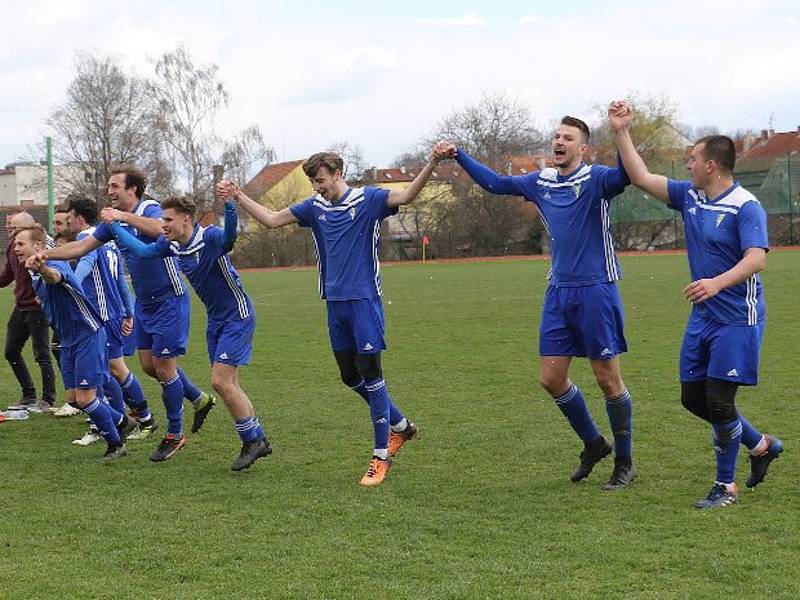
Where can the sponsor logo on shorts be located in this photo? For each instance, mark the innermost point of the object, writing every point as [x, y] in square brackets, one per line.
[368, 347]
[223, 356]
[165, 351]
[605, 352]
[732, 373]
[83, 382]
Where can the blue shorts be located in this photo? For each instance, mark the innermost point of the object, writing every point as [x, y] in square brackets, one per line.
[114, 338]
[129, 344]
[586, 321]
[230, 342]
[84, 365]
[356, 325]
[163, 327]
[717, 350]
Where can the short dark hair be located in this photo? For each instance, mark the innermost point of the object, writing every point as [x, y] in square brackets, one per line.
[63, 207]
[67, 236]
[720, 149]
[330, 160]
[38, 234]
[84, 207]
[133, 177]
[181, 204]
[575, 122]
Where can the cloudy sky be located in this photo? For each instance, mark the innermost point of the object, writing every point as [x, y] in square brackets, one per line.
[380, 75]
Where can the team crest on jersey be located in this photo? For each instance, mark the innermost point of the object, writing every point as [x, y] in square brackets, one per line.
[577, 188]
[353, 213]
[693, 210]
[720, 218]
[547, 195]
[321, 217]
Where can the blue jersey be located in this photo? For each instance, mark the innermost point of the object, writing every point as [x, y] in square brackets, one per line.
[718, 231]
[67, 307]
[574, 209]
[347, 237]
[153, 279]
[208, 267]
[101, 278]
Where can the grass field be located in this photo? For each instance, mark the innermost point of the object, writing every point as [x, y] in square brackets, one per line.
[479, 507]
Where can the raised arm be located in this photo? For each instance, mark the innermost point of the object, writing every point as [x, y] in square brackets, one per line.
[74, 249]
[85, 265]
[136, 246]
[231, 226]
[620, 115]
[265, 216]
[147, 225]
[409, 194]
[493, 183]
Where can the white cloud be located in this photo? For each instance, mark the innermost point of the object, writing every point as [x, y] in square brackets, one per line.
[470, 19]
[530, 20]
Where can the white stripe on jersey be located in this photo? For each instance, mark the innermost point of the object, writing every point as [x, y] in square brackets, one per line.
[355, 198]
[320, 281]
[608, 242]
[568, 183]
[144, 204]
[376, 234]
[87, 315]
[241, 300]
[175, 279]
[751, 300]
[101, 292]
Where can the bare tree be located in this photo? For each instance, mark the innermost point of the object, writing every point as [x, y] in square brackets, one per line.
[354, 162]
[105, 121]
[466, 220]
[188, 98]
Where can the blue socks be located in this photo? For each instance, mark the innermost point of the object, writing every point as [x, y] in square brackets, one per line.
[191, 392]
[248, 429]
[620, 415]
[114, 394]
[726, 438]
[134, 396]
[750, 435]
[379, 411]
[172, 394]
[574, 409]
[101, 415]
[395, 414]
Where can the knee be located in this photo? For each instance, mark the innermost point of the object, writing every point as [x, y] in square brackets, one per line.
[221, 385]
[610, 383]
[150, 371]
[369, 367]
[13, 354]
[721, 405]
[349, 375]
[554, 384]
[164, 372]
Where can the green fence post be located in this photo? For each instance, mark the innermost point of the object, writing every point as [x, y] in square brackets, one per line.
[51, 197]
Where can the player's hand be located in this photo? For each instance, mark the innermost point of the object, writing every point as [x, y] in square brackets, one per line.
[33, 263]
[227, 189]
[110, 215]
[620, 115]
[127, 326]
[443, 150]
[701, 290]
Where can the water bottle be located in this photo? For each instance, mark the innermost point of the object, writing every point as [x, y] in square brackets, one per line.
[15, 415]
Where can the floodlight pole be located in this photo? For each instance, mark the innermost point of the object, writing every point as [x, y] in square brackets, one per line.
[791, 203]
[51, 197]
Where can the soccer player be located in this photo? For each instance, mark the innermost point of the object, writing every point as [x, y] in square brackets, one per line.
[27, 320]
[203, 257]
[162, 305]
[582, 314]
[345, 224]
[726, 242]
[100, 274]
[83, 343]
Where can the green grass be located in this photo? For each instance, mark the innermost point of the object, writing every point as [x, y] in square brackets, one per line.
[479, 507]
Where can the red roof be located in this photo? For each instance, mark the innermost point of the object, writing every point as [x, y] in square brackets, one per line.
[774, 145]
[268, 177]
